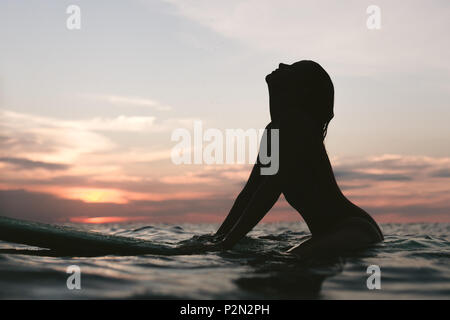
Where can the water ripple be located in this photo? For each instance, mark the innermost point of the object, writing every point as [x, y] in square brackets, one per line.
[414, 263]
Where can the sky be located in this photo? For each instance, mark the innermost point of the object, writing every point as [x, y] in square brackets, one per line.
[86, 115]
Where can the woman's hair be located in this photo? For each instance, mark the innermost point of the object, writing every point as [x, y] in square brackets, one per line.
[316, 91]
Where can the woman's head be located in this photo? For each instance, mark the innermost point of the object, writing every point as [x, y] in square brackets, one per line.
[302, 86]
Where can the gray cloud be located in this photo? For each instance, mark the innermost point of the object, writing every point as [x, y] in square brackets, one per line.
[357, 186]
[410, 210]
[23, 163]
[441, 173]
[353, 175]
[398, 163]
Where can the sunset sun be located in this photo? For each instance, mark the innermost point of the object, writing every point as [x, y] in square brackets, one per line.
[96, 195]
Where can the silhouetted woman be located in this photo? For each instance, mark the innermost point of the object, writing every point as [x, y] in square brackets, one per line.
[301, 106]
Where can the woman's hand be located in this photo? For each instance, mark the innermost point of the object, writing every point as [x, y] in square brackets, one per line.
[201, 243]
[210, 237]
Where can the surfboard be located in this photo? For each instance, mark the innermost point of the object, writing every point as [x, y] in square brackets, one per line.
[68, 241]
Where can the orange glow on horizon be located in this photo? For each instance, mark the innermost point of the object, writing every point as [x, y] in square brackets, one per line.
[95, 195]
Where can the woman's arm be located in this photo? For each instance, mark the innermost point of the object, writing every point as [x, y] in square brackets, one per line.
[261, 202]
[243, 198]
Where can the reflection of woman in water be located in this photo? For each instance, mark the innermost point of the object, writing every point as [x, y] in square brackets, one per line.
[301, 106]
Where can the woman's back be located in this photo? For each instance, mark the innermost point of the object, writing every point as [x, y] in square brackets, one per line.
[306, 176]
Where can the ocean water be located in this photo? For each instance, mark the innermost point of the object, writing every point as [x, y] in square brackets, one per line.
[413, 260]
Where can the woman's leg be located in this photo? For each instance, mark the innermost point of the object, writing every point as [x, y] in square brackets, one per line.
[354, 233]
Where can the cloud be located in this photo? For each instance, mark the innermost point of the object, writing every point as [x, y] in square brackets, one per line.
[416, 211]
[333, 32]
[349, 175]
[442, 173]
[131, 101]
[212, 175]
[390, 167]
[22, 121]
[23, 163]
[119, 123]
[47, 139]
